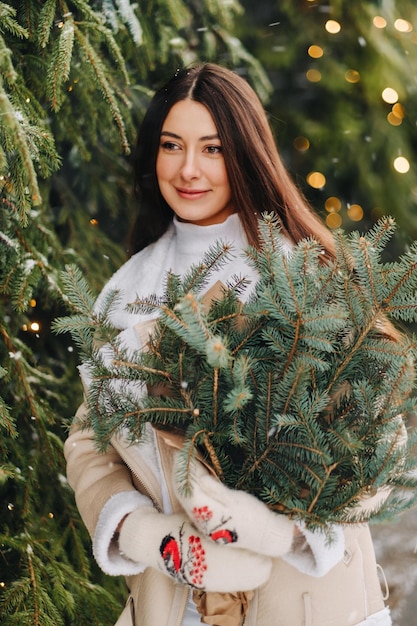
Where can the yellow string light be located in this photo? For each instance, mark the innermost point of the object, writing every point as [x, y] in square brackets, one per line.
[333, 204]
[352, 76]
[317, 180]
[333, 220]
[379, 22]
[301, 144]
[333, 27]
[393, 119]
[314, 76]
[403, 26]
[316, 52]
[389, 95]
[401, 165]
[398, 110]
[355, 212]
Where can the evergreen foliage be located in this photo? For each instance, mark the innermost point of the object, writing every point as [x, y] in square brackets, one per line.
[75, 79]
[295, 396]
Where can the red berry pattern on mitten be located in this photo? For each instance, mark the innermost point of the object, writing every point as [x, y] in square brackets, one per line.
[171, 544]
[190, 570]
[198, 563]
[202, 516]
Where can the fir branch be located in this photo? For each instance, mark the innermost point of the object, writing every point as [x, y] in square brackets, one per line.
[6, 66]
[113, 47]
[7, 422]
[45, 21]
[10, 120]
[142, 368]
[179, 14]
[9, 24]
[292, 397]
[78, 294]
[60, 64]
[130, 18]
[213, 259]
[106, 89]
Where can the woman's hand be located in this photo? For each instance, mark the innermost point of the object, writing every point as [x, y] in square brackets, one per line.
[171, 544]
[232, 517]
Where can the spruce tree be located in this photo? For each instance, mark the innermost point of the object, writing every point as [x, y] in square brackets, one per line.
[75, 79]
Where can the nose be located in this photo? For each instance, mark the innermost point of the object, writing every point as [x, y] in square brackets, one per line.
[190, 168]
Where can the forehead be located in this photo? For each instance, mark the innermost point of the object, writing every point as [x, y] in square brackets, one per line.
[188, 117]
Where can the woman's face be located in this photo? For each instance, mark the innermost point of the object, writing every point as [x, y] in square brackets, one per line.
[190, 166]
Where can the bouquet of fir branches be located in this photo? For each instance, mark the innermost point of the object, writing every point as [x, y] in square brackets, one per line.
[298, 395]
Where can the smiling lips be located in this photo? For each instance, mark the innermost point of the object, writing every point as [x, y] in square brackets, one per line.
[191, 194]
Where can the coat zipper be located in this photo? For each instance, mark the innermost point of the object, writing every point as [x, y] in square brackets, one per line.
[145, 484]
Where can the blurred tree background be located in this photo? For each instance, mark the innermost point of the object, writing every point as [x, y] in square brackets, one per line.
[339, 81]
[343, 105]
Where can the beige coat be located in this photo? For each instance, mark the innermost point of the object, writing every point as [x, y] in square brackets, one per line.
[348, 595]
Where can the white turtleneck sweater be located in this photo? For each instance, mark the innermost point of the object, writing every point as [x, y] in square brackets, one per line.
[183, 245]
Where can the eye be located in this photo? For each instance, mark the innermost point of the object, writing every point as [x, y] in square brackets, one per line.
[214, 149]
[169, 146]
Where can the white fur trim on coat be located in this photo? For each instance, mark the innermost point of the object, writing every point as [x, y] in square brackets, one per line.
[105, 549]
[382, 618]
[319, 553]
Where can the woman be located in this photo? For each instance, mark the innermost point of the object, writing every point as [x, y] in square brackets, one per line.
[206, 168]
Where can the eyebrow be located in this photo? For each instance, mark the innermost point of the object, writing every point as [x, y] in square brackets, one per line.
[167, 133]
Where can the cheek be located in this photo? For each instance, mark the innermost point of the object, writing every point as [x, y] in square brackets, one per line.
[163, 169]
[223, 178]
[217, 173]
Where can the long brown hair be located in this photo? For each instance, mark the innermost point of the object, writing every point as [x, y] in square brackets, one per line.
[258, 179]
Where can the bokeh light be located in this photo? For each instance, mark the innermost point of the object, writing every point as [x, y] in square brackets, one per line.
[301, 144]
[333, 204]
[333, 220]
[401, 165]
[393, 119]
[314, 76]
[355, 212]
[316, 52]
[389, 95]
[398, 110]
[403, 26]
[379, 22]
[352, 76]
[333, 27]
[317, 180]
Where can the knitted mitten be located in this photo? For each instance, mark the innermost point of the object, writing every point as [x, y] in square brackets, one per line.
[230, 516]
[172, 545]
